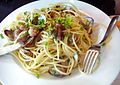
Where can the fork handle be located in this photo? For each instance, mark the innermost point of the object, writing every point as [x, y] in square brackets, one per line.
[9, 48]
[109, 29]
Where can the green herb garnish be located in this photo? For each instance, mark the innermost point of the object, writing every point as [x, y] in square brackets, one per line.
[43, 9]
[41, 23]
[25, 13]
[66, 21]
[59, 20]
[50, 28]
[103, 44]
[37, 75]
[1, 36]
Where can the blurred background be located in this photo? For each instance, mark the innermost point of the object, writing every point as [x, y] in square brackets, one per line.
[110, 7]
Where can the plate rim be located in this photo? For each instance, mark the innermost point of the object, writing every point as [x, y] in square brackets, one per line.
[46, 0]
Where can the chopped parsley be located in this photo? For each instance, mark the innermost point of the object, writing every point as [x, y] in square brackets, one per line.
[37, 75]
[59, 20]
[1, 36]
[50, 28]
[43, 9]
[66, 21]
[26, 12]
[41, 22]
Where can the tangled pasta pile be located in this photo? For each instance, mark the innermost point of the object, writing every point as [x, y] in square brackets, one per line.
[54, 40]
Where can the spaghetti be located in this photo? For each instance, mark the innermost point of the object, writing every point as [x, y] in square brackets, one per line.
[54, 39]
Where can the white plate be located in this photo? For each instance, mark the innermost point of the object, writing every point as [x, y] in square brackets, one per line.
[13, 74]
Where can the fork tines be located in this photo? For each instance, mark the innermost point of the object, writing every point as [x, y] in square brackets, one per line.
[90, 60]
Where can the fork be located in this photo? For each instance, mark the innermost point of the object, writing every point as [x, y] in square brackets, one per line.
[93, 52]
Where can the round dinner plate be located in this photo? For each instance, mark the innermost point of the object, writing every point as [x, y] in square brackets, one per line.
[12, 74]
